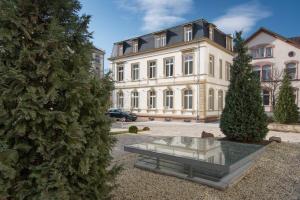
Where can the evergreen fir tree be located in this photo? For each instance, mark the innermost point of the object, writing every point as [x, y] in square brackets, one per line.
[54, 135]
[243, 118]
[286, 110]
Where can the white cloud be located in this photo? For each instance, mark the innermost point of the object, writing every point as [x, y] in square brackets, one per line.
[242, 17]
[158, 14]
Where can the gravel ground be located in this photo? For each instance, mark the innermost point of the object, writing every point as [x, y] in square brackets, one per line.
[276, 175]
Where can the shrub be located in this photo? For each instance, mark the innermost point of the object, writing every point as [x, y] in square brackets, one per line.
[146, 129]
[243, 117]
[133, 129]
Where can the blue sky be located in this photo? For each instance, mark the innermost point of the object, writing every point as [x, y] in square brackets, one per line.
[116, 20]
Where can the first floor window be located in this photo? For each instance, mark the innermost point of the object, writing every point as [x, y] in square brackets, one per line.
[120, 73]
[188, 99]
[291, 70]
[256, 72]
[169, 99]
[135, 72]
[120, 99]
[134, 99]
[211, 101]
[211, 65]
[152, 69]
[220, 69]
[188, 64]
[152, 99]
[266, 72]
[220, 100]
[227, 75]
[266, 97]
[169, 67]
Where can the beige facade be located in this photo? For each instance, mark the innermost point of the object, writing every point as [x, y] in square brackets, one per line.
[272, 56]
[145, 86]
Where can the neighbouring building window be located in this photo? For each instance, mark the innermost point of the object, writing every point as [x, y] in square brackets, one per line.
[266, 97]
[220, 100]
[160, 40]
[169, 67]
[211, 65]
[135, 100]
[262, 52]
[211, 101]
[256, 72]
[120, 50]
[291, 70]
[169, 96]
[266, 72]
[295, 93]
[135, 72]
[220, 69]
[135, 46]
[152, 69]
[188, 64]
[227, 74]
[188, 33]
[120, 99]
[188, 99]
[211, 159]
[152, 99]
[120, 73]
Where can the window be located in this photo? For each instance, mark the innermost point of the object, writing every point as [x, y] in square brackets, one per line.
[227, 74]
[295, 94]
[262, 52]
[291, 70]
[120, 99]
[188, 64]
[134, 99]
[152, 99]
[188, 33]
[188, 99]
[256, 72]
[160, 40]
[211, 65]
[266, 72]
[152, 69]
[120, 73]
[169, 67]
[211, 159]
[220, 100]
[266, 97]
[135, 72]
[120, 50]
[135, 46]
[220, 69]
[211, 101]
[169, 99]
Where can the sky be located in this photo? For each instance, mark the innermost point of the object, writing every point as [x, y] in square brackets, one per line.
[117, 20]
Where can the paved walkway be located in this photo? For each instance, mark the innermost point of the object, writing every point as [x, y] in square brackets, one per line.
[162, 129]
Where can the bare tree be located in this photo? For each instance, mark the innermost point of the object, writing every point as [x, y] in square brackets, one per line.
[273, 84]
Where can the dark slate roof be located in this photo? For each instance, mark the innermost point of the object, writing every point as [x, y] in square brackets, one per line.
[174, 35]
[295, 39]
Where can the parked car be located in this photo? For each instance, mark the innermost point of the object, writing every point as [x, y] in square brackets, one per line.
[121, 115]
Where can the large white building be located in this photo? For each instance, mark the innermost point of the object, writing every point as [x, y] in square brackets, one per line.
[177, 73]
[274, 54]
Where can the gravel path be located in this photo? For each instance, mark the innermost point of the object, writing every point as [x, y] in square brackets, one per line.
[276, 175]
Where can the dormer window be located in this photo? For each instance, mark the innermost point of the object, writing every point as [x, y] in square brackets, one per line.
[160, 40]
[120, 50]
[188, 33]
[135, 46]
[262, 52]
[211, 28]
[229, 42]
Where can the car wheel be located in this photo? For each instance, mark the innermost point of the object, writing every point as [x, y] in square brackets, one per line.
[123, 119]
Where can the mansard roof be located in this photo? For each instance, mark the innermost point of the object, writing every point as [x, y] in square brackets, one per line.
[175, 35]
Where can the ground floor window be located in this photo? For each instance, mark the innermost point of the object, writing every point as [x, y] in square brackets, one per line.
[152, 99]
[211, 101]
[169, 99]
[134, 99]
[188, 99]
[120, 99]
[220, 100]
[266, 97]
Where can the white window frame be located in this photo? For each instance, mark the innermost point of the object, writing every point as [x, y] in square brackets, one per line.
[220, 100]
[188, 99]
[152, 99]
[120, 99]
[188, 33]
[268, 95]
[288, 66]
[263, 71]
[211, 99]
[160, 40]
[169, 99]
[169, 67]
[188, 62]
[211, 69]
[134, 100]
[135, 46]
[152, 69]
[120, 50]
[220, 68]
[120, 73]
[227, 74]
[135, 72]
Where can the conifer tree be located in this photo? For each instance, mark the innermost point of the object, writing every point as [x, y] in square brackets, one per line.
[54, 135]
[243, 118]
[286, 110]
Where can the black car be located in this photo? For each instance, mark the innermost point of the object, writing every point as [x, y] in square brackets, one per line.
[121, 115]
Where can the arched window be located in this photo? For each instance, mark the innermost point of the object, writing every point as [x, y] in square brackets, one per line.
[211, 101]
[152, 99]
[134, 99]
[220, 100]
[120, 99]
[168, 99]
[266, 72]
[291, 70]
[188, 99]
